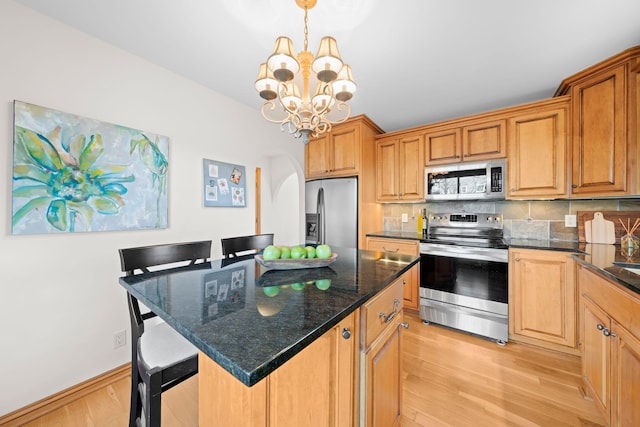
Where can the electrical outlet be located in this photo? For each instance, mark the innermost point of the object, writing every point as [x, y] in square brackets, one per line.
[119, 339]
[405, 217]
[570, 221]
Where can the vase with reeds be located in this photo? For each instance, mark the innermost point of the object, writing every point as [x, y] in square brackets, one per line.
[629, 243]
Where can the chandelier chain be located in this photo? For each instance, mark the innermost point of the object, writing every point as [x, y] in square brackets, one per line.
[306, 27]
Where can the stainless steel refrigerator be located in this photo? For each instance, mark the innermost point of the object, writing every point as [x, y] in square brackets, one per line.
[331, 207]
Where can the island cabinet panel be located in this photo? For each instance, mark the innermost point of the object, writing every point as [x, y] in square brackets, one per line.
[610, 344]
[381, 359]
[542, 299]
[537, 151]
[410, 279]
[315, 387]
[400, 171]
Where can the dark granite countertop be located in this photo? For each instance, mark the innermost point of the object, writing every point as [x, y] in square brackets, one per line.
[609, 260]
[250, 320]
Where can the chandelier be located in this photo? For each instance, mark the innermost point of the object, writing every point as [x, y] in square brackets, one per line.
[280, 78]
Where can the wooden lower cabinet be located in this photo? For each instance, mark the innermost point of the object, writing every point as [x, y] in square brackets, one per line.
[543, 299]
[412, 277]
[610, 343]
[381, 359]
[315, 387]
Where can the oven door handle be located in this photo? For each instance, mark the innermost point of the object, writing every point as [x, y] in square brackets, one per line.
[466, 252]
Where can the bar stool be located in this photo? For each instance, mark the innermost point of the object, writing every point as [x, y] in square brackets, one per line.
[160, 357]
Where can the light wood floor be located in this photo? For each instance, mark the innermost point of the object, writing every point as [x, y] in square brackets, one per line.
[450, 379]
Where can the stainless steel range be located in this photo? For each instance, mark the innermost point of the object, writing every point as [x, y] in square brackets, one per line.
[464, 274]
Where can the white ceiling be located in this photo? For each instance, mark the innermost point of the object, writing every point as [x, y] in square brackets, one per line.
[415, 61]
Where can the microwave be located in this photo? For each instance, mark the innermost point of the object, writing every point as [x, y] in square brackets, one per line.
[466, 181]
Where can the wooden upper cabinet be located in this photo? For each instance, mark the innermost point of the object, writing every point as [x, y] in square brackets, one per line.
[334, 154]
[400, 171]
[604, 126]
[537, 147]
[477, 140]
[443, 146]
[600, 146]
[486, 140]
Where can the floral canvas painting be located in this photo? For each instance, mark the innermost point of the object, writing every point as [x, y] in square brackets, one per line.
[75, 174]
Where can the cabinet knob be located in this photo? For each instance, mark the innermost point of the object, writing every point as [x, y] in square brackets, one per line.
[346, 333]
[599, 326]
[607, 333]
[404, 325]
[574, 186]
[513, 189]
[517, 259]
[404, 282]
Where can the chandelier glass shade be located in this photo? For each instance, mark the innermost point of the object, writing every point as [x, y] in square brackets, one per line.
[285, 83]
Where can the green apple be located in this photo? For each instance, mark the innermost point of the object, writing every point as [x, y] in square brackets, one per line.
[271, 291]
[311, 251]
[270, 252]
[298, 252]
[323, 251]
[285, 252]
[323, 284]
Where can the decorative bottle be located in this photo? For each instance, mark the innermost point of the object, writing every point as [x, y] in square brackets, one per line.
[425, 222]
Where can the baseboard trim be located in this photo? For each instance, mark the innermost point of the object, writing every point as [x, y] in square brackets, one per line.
[55, 401]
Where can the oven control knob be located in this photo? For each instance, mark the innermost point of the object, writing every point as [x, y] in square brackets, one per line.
[489, 218]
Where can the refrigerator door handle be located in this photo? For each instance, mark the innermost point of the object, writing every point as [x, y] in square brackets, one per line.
[322, 220]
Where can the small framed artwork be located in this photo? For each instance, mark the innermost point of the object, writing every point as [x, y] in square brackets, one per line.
[224, 184]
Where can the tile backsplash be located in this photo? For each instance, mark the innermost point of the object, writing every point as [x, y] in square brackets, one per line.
[535, 219]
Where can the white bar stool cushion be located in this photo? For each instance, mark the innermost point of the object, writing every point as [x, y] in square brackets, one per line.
[161, 346]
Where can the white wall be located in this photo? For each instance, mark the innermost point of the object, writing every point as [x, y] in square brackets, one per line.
[60, 300]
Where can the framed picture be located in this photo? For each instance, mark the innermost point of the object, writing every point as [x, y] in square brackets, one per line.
[224, 184]
[75, 174]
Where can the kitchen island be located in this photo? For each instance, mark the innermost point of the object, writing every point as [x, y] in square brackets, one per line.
[282, 345]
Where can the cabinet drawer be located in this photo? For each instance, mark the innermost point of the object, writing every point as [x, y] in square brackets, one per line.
[398, 246]
[386, 302]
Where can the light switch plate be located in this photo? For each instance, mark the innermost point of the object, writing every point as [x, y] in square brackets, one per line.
[570, 221]
[405, 217]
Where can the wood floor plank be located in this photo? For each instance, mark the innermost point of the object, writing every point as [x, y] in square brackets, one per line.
[453, 378]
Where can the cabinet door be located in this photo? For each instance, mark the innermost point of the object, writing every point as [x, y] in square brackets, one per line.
[345, 150]
[318, 383]
[484, 141]
[537, 147]
[383, 384]
[542, 298]
[600, 134]
[411, 168]
[411, 282]
[596, 349]
[386, 173]
[443, 146]
[625, 375]
[317, 157]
